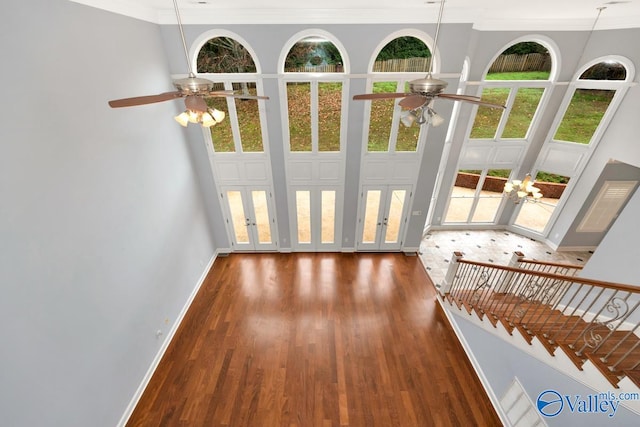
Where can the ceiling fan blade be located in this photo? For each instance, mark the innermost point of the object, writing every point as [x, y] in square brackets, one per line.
[460, 97]
[470, 99]
[412, 102]
[142, 100]
[230, 94]
[366, 96]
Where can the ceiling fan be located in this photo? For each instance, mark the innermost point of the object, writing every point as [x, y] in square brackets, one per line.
[418, 103]
[193, 89]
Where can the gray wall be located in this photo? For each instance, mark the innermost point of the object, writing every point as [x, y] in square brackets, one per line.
[103, 229]
[616, 259]
[620, 140]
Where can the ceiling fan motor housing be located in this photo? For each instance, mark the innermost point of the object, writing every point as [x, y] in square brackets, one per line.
[193, 85]
[427, 85]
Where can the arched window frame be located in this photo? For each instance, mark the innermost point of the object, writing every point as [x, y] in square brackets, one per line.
[578, 150]
[228, 79]
[515, 85]
[401, 79]
[313, 79]
[487, 154]
[620, 87]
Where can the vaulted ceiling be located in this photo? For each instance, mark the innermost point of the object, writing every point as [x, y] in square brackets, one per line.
[484, 14]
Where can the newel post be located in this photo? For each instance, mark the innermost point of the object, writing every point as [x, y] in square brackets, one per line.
[446, 284]
[515, 259]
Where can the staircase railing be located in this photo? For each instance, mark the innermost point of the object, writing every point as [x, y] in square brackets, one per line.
[519, 260]
[588, 319]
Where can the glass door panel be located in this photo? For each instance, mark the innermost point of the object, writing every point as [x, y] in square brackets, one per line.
[394, 219]
[303, 216]
[371, 215]
[261, 210]
[238, 217]
[328, 212]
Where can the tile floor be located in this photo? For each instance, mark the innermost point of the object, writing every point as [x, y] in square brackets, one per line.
[495, 246]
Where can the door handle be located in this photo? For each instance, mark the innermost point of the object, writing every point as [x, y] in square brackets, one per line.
[386, 221]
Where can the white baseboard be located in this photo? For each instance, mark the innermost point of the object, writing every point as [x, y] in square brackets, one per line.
[575, 248]
[558, 248]
[348, 250]
[410, 250]
[156, 360]
[551, 244]
[495, 401]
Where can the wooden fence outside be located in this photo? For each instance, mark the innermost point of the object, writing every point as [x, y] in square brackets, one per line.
[503, 63]
[527, 62]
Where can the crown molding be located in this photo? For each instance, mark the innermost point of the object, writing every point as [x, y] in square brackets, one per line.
[205, 15]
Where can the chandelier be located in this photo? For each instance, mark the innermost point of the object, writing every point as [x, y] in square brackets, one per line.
[208, 118]
[518, 191]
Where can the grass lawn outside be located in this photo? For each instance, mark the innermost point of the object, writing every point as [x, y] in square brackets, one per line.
[580, 121]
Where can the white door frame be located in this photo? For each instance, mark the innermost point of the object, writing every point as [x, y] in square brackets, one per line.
[250, 219]
[382, 222]
[316, 218]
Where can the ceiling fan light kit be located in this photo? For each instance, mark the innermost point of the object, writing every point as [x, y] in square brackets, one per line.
[208, 118]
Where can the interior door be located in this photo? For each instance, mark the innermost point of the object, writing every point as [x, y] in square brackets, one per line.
[383, 217]
[250, 220]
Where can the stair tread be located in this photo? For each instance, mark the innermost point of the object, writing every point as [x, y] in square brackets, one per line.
[555, 329]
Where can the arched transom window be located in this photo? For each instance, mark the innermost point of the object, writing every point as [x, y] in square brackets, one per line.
[235, 70]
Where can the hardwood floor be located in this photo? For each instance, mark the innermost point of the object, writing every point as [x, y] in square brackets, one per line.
[312, 339]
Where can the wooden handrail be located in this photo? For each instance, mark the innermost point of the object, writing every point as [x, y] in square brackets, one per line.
[551, 264]
[587, 318]
[577, 279]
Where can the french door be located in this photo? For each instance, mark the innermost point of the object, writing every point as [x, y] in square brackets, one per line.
[383, 216]
[250, 218]
[316, 220]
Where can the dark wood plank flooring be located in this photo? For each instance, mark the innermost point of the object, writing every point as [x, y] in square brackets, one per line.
[312, 339]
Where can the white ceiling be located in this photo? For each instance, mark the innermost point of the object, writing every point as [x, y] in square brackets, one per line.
[525, 15]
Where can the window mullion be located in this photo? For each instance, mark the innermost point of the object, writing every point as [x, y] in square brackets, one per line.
[232, 116]
[314, 116]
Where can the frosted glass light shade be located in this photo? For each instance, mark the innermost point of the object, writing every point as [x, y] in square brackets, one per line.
[182, 118]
